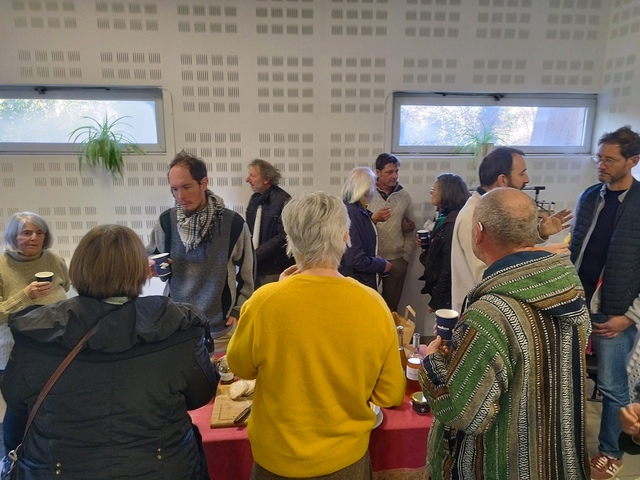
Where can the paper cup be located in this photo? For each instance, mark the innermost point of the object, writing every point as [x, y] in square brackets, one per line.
[44, 277]
[446, 320]
[161, 265]
[423, 235]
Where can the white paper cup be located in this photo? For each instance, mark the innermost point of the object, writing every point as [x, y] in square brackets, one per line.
[161, 264]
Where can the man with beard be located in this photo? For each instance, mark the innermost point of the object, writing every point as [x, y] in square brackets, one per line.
[606, 252]
[264, 217]
[212, 260]
[503, 167]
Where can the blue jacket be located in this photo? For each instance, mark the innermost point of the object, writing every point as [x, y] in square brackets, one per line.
[621, 274]
[359, 261]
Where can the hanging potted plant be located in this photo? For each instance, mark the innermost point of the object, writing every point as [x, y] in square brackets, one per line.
[478, 144]
[102, 144]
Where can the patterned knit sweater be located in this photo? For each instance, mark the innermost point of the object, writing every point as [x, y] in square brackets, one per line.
[510, 401]
[393, 243]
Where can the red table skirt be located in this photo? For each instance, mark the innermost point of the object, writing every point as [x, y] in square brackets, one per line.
[398, 447]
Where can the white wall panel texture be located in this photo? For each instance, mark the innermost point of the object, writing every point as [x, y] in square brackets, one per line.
[304, 84]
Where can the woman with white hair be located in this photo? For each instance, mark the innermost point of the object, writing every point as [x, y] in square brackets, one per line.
[360, 260]
[321, 346]
[27, 242]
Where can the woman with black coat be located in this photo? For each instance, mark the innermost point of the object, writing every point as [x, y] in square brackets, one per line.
[449, 194]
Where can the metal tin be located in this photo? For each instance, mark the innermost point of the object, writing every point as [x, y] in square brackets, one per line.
[420, 404]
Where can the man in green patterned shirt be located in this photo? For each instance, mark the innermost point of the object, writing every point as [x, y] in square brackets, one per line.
[509, 396]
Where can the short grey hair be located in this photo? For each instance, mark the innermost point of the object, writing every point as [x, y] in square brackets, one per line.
[508, 216]
[361, 185]
[316, 224]
[267, 171]
[14, 226]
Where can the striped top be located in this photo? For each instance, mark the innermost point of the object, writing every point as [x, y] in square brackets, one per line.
[510, 401]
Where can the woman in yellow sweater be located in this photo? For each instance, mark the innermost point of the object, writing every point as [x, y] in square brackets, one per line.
[27, 240]
[321, 347]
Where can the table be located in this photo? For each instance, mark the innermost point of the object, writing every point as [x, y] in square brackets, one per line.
[398, 447]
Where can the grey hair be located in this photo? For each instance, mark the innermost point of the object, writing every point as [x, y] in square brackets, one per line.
[508, 216]
[316, 224]
[361, 185]
[14, 226]
[267, 171]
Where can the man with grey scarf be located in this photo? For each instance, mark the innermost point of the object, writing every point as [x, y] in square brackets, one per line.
[212, 259]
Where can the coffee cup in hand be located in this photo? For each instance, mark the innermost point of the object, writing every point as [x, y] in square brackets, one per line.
[423, 235]
[446, 320]
[161, 264]
[44, 277]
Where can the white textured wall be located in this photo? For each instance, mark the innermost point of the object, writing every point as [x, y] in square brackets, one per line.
[304, 84]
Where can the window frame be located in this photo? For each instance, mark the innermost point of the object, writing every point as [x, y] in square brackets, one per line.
[97, 93]
[400, 98]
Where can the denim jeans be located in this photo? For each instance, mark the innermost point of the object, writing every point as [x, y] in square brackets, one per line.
[613, 383]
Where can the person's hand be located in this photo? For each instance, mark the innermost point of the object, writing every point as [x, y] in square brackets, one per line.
[612, 327]
[430, 310]
[630, 419]
[387, 266]
[381, 215]
[231, 321]
[152, 269]
[436, 346]
[292, 270]
[408, 225]
[550, 225]
[36, 290]
[555, 248]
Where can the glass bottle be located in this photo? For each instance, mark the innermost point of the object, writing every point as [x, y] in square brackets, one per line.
[414, 361]
[207, 340]
[403, 354]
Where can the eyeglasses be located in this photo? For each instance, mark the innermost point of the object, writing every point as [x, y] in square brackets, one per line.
[606, 160]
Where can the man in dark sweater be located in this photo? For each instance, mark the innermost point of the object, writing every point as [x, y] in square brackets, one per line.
[264, 217]
[605, 248]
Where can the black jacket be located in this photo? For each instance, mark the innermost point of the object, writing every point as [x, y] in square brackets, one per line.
[621, 276]
[359, 260]
[437, 264]
[119, 410]
[271, 254]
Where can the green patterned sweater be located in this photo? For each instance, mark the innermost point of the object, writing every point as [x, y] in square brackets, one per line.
[509, 403]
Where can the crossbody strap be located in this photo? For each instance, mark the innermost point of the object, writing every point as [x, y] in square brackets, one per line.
[61, 368]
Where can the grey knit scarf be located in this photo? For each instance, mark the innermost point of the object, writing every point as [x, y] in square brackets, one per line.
[195, 228]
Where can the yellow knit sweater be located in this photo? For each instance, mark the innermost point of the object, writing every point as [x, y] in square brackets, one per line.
[16, 272]
[320, 348]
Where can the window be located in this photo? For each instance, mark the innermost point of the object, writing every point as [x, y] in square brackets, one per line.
[40, 119]
[534, 123]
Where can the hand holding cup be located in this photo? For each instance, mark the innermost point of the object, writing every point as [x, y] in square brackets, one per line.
[446, 320]
[423, 238]
[161, 266]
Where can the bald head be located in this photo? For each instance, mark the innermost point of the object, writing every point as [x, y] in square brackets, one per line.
[509, 220]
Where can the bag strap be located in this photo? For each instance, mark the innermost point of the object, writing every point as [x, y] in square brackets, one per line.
[61, 368]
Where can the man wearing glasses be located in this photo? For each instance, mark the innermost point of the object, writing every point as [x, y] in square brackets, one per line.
[605, 248]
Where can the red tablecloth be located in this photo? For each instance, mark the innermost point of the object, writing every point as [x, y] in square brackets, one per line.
[398, 446]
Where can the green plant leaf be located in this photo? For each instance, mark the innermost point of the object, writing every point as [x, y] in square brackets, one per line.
[101, 144]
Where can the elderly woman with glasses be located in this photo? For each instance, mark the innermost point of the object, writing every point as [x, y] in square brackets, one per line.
[360, 260]
[321, 346]
[27, 243]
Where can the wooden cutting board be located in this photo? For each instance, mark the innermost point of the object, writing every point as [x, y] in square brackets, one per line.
[225, 409]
